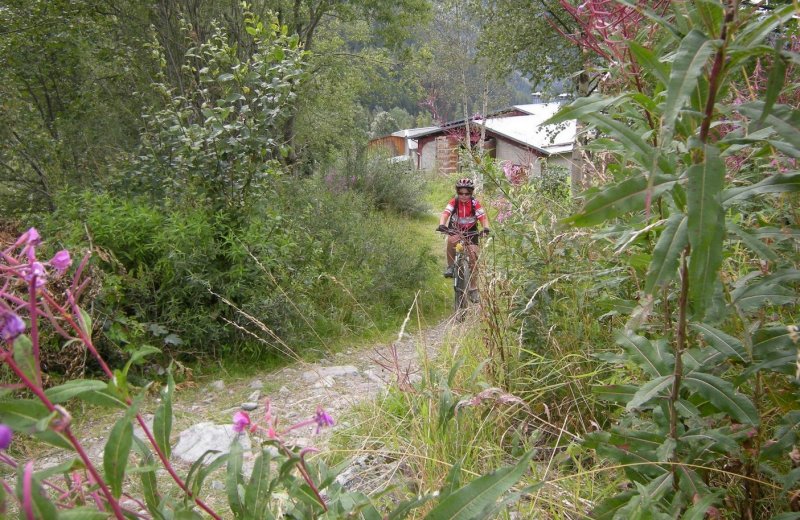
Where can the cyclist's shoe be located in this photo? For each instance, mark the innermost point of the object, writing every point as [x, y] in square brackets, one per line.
[448, 273]
[474, 297]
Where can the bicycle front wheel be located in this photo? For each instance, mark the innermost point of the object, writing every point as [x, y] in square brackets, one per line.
[460, 283]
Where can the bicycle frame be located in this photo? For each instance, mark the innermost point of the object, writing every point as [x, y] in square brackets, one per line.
[462, 272]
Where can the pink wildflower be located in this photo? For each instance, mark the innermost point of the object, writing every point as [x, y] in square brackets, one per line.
[32, 237]
[241, 422]
[323, 419]
[6, 434]
[61, 261]
[36, 271]
[11, 325]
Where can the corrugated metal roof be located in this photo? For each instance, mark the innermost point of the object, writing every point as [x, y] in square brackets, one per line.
[411, 133]
[526, 130]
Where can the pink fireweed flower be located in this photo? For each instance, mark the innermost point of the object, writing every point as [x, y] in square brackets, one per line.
[32, 237]
[11, 325]
[61, 261]
[6, 434]
[323, 419]
[36, 269]
[241, 422]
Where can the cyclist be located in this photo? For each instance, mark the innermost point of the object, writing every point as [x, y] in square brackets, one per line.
[460, 216]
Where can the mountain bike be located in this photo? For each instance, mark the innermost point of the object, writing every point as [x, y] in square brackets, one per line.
[461, 271]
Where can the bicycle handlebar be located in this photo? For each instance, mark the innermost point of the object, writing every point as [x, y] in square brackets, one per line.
[467, 234]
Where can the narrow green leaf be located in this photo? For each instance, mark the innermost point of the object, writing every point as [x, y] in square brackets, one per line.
[582, 106]
[162, 422]
[494, 510]
[756, 296]
[666, 255]
[472, 499]
[783, 118]
[775, 349]
[404, 508]
[783, 276]
[629, 195]
[756, 32]
[700, 508]
[653, 358]
[777, 234]
[86, 322]
[752, 243]
[74, 388]
[786, 148]
[775, 81]
[774, 338]
[107, 398]
[727, 345]
[59, 469]
[256, 494]
[453, 480]
[633, 142]
[650, 391]
[205, 471]
[775, 183]
[140, 354]
[715, 441]
[694, 51]
[187, 513]
[721, 395]
[234, 479]
[148, 478]
[24, 415]
[115, 454]
[648, 60]
[615, 393]
[82, 513]
[784, 438]
[705, 228]
[23, 357]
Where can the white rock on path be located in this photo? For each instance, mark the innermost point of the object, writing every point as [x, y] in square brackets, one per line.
[201, 437]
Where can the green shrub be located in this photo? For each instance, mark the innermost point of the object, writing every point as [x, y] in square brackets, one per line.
[389, 184]
[306, 263]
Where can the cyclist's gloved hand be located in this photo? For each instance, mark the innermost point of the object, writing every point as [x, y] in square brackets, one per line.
[486, 231]
[442, 228]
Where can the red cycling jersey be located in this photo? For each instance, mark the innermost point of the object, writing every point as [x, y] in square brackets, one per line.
[468, 213]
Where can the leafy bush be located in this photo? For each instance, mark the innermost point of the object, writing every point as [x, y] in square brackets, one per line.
[306, 263]
[389, 185]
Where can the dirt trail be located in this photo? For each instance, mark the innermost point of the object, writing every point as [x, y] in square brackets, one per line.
[203, 414]
[340, 382]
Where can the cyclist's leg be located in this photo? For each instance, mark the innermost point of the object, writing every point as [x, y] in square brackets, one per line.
[452, 240]
[450, 251]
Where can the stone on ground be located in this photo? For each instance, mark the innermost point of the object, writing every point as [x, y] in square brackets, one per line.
[202, 437]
